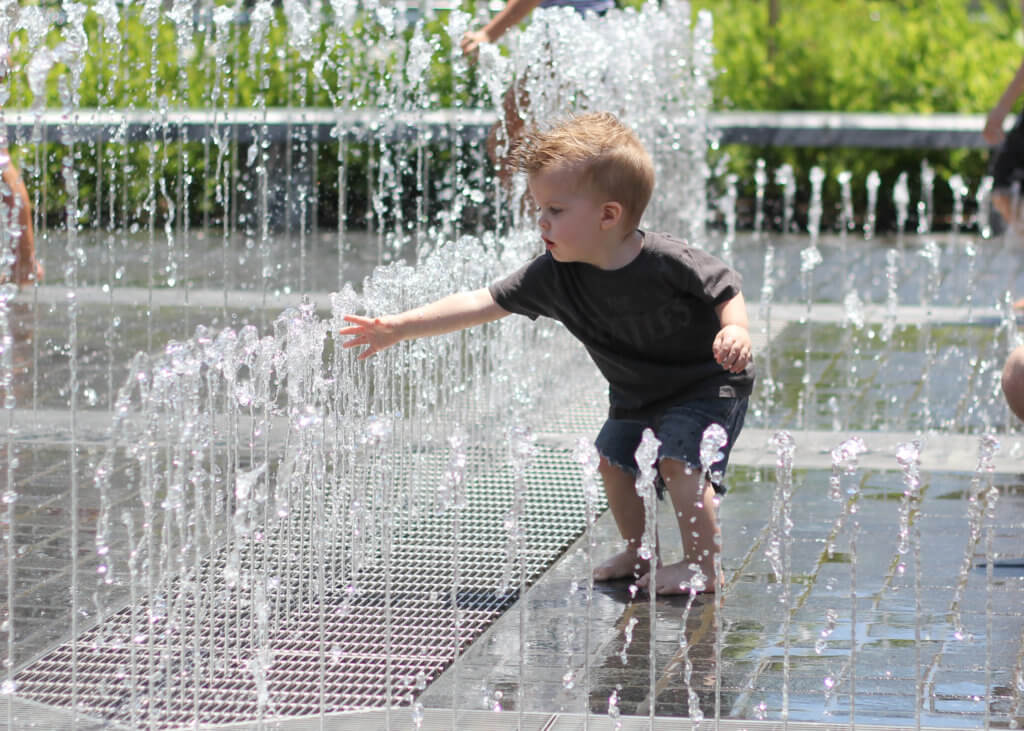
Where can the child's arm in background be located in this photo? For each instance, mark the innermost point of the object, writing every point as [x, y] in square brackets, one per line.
[732, 346]
[993, 132]
[511, 15]
[454, 312]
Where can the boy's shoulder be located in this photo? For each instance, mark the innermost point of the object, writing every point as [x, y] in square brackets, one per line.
[664, 240]
[667, 250]
[661, 244]
[672, 245]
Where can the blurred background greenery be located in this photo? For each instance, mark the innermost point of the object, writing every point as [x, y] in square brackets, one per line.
[897, 56]
[893, 56]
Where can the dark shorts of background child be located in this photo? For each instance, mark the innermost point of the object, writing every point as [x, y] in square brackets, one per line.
[680, 429]
[1006, 166]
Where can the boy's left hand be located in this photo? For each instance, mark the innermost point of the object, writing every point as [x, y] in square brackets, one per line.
[732, 348]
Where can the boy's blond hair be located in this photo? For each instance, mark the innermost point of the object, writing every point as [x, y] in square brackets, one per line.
[611, 160]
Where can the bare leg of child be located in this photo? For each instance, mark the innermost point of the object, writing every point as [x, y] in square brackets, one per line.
[27, 268]
[1003, 203]
[694, 504]
[504, 135]
[628, 510]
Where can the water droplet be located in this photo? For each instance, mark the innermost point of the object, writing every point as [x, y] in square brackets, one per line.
[337, 655]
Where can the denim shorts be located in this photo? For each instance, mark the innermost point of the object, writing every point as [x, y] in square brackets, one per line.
[1006, 164]
[680, 429]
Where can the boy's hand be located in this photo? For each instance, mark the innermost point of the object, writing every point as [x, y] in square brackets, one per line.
[732, 348]
[374, 332]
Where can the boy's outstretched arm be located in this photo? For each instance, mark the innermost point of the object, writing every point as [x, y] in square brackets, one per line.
[454, 312]
[732, 347]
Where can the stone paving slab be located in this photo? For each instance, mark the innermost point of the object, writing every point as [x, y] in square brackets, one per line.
[939, 451]
[443, 720]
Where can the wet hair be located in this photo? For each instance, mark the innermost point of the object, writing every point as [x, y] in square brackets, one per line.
[611, 160]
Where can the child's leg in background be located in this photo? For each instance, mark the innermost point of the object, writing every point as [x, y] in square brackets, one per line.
[627, 508]
[26, 267]
[504, 135]
[1006, 166]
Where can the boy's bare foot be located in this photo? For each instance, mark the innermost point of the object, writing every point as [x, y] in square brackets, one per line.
[623, 565]
[675, 578]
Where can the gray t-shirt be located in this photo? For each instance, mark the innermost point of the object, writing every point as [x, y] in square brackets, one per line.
[649, 326]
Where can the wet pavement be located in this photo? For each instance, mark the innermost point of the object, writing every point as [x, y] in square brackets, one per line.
[927, 637]
[872, 608]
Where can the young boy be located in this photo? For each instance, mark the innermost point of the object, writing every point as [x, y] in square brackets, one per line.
[665, 324]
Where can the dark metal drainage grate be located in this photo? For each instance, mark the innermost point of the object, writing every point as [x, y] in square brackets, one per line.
[197, 654]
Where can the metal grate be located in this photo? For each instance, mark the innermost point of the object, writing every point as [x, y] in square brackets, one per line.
[324, 653]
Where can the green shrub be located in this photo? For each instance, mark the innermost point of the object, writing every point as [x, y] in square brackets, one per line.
[839, 55]
[890, 56]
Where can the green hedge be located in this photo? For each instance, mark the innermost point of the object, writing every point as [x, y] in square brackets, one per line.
[842, 55]
[924, 57]
[148, 66]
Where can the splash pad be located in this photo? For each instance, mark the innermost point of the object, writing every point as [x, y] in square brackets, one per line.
[254, 528]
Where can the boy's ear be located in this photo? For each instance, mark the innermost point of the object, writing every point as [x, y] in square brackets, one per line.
[611, 214]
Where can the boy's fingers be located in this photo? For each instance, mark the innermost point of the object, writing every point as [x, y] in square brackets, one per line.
[733, 356]
[358, 320]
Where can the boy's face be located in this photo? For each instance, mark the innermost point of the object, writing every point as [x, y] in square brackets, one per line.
[569, 217]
